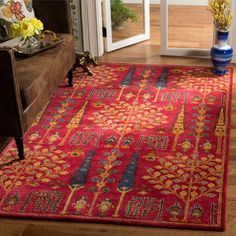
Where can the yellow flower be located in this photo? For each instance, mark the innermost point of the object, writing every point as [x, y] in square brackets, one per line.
[7, 12]
[15, 30]
[26, 28]
[38, 25]
[221, 13]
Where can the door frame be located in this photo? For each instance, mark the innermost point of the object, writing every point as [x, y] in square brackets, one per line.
[111, 46]
[93, 39]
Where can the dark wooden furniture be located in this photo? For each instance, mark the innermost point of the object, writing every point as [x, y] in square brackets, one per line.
[26, 84]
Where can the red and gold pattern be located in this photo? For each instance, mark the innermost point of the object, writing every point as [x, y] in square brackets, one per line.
[133, 144]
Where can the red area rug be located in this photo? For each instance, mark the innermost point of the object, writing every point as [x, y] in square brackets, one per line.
[133, 144]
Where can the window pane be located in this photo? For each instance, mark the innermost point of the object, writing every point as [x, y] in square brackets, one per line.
[127, 19]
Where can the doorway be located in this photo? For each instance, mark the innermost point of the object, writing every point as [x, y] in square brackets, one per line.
[188, 28]
[189, 31]
[185, 28]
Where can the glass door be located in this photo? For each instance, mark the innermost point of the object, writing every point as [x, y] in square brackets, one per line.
[186, 28]
[126, 22]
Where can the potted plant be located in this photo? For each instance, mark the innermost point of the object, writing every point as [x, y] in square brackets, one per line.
[120, 14]
[221, 53]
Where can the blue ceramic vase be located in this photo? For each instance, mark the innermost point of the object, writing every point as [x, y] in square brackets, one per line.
[221, 53]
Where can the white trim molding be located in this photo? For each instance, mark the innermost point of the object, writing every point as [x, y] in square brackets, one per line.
[145, 35]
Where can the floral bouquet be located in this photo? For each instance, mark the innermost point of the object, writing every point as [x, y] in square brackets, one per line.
[27, 30]
[222, 14]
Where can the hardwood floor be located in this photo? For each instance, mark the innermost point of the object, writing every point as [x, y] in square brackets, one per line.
[146, 52]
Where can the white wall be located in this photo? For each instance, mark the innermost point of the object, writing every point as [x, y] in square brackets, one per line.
[174, 2]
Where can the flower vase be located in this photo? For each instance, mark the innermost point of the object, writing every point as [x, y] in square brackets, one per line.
[221, 53]
[28, 44]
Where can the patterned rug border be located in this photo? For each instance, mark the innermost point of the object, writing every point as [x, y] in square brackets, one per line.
[112, 221]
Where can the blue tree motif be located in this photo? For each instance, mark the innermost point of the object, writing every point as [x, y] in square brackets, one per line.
[126, 81]
[80, 176]
[161, 82]
[127, 181]
[79, 179]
